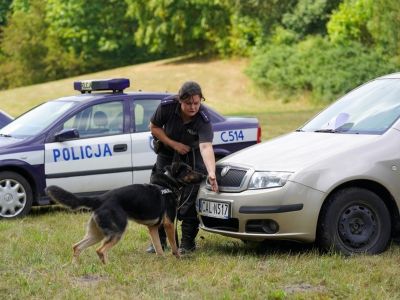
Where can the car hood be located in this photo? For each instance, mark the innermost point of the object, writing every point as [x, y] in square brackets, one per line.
[13, 145]
[8, 141]
[297, 150]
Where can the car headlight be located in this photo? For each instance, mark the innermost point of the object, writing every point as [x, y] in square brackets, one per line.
[265, 180]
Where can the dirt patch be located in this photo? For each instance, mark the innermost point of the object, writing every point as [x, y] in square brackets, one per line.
[303, 287]
[90, 279]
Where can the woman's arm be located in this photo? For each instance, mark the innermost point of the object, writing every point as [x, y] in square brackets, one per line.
[160, 134]
[207, 152]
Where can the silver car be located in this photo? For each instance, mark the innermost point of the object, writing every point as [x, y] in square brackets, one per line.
[336, 180]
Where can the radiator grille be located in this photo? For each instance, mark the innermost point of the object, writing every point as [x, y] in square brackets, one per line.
[232, 178]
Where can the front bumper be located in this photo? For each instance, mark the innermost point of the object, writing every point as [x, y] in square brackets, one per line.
[294, 208]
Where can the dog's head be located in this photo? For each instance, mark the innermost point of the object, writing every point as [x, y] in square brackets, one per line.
[183, 173]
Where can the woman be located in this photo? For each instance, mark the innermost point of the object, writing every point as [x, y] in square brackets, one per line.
[182, 125]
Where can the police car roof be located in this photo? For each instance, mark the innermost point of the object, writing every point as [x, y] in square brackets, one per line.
[98, 89]
[100, 95]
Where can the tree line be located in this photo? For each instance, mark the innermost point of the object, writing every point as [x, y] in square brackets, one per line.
[326, 47]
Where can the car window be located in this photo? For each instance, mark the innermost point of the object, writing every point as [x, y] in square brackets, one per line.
[142, 112]
[214, 116]
[3, 120]
[37, 119]
[370, 109]
[98, 120]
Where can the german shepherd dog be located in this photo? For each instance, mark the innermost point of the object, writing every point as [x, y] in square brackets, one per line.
[148, 204]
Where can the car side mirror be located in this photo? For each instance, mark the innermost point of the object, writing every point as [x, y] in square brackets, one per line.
[66, 135]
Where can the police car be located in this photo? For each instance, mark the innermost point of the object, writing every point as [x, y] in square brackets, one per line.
[92, 142]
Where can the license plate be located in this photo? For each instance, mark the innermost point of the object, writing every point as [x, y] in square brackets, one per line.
[214, 209]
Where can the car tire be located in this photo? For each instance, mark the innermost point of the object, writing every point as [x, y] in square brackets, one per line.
[354, 220]
[15, 195]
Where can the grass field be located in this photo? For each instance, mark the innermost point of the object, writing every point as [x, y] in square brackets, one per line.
[35, 255]
[35, 263]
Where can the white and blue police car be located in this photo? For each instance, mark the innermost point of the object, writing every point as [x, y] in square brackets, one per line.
[92, 142]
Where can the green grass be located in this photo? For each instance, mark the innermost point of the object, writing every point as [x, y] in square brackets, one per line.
[35, 255]
[35, 263]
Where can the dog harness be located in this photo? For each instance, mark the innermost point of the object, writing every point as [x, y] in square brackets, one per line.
[164, 191]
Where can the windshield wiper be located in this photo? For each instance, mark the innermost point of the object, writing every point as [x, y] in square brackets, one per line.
[5, 135]
[327, 130]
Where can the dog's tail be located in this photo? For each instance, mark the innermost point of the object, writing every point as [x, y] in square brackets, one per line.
[68, 199]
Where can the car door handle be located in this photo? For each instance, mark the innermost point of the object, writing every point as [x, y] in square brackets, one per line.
[120, 147]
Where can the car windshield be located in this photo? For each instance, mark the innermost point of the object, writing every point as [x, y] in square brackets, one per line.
[36, 120]
[369, 109]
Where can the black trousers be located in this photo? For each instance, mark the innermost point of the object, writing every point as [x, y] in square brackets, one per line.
[187, 211]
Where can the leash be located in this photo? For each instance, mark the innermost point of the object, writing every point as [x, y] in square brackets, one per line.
[186, 200]
[176, 158]
[176, 230]
[164, 191]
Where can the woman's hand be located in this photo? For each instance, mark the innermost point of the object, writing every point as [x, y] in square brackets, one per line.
[181, 148]
[159, 133]
[213, 182]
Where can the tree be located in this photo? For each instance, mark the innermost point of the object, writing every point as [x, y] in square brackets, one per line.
[4, 10]
[89, 35]
[309, 16]
[350, 22]
[172, 27]
[22, 45]
[385, 25]
[373, 23]
[268, 12]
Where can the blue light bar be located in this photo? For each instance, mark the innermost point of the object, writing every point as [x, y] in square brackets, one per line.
[115, 85]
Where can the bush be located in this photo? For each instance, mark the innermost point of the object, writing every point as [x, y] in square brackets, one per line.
[325, 69]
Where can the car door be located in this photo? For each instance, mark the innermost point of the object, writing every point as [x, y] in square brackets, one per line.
[100, 159]
[143, 156]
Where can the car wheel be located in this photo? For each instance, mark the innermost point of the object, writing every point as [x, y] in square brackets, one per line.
[354, 220]
[15, 195]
